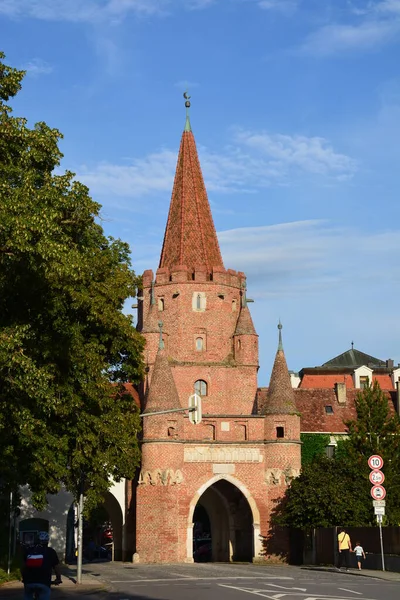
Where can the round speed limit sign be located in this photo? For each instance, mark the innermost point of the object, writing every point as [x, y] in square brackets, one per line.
[376, 477]
[375, 462]
[378, 492]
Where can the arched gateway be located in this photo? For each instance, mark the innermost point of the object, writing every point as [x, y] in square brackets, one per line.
[224, 519]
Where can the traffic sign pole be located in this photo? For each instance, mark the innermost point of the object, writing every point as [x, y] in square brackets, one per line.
[378, 493]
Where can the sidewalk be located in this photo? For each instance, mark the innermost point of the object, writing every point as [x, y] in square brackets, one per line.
[91, 587]
[386, 575]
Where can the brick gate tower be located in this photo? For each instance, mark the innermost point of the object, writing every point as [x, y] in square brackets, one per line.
[206, 490]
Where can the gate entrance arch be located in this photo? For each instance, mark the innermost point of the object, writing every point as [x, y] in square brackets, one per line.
[224, 523]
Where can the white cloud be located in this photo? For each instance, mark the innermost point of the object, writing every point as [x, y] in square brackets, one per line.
[311, 256]
[253, 161]
[374, 25]
[337, 39]
[36, 67]
[93, 11]
[79, 10]
[310, 154]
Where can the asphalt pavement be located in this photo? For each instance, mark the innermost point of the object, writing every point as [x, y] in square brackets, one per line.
[215, 581]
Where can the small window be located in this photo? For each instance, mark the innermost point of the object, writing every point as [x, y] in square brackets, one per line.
[161, 304]
[239, 344]
[364, 382]
[329, 409]
[199, 344]
[280, 432]
[199, 301]
[234, 305]
[200, 387]
[330, 451]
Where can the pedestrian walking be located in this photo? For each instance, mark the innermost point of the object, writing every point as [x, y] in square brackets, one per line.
[39, 562]
[344, 547]
[360, 554]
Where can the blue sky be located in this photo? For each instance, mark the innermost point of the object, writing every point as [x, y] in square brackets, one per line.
[296, 115]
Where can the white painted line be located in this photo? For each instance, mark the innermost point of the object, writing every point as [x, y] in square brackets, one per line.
[283, 587]
[189, 578]
[351, 591]
[254, 592]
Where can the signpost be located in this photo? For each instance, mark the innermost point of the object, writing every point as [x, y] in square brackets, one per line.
[378, 493]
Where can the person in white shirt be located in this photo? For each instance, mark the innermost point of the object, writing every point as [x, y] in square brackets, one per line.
[360, 554]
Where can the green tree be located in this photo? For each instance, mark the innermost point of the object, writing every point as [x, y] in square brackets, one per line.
[336, 491]
[66, 347]
[376, 430]
[327, 493]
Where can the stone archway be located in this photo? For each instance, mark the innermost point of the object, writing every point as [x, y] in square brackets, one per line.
[233, 518]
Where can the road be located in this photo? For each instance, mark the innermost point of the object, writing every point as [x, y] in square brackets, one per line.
[237, 582]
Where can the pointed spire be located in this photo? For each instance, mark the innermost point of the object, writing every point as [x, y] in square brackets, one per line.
[162, 394]
[280, 396]
[187, 105]
[245, 325]
[190, 238]
[280, 345]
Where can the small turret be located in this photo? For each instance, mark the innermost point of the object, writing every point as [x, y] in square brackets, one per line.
[245, 339]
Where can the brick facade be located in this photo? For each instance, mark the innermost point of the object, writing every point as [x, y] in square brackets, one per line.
[200, 337]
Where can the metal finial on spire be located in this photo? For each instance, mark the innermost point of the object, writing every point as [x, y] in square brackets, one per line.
[280, 345]
[161, 342]
[352, 345]
[187, 104]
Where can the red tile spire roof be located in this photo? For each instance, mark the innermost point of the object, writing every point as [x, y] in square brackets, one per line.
[280, 396]
[190, 238]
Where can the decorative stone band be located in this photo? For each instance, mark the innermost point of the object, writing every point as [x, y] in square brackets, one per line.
[159, 477]
[279, 477]
[227, 454]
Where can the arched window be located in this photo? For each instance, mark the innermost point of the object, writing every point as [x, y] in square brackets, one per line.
[200, 387]
[198, 302]
[161, 304]
[199, 344]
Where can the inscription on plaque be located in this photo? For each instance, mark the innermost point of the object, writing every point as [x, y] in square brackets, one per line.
[231, 454]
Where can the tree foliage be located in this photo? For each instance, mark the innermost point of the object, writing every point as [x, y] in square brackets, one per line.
[336, 491]
[66, 347]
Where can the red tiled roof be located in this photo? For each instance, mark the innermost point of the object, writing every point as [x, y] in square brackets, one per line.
[311, 405]
[280, 396]
[190, 238]
[244, 323]
[327, 381]
[133, 392]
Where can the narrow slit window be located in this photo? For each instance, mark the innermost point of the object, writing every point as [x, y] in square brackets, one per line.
[280, 432]
[161, 305]
[199, 344]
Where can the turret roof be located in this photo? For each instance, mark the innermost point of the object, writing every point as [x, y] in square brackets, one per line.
[280, 397]
[162, 394]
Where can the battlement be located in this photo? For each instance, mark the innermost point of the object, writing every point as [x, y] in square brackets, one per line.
[200, 274]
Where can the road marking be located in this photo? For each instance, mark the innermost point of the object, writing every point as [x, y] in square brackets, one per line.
[352, 591]
[190, 578]
[283, 587]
